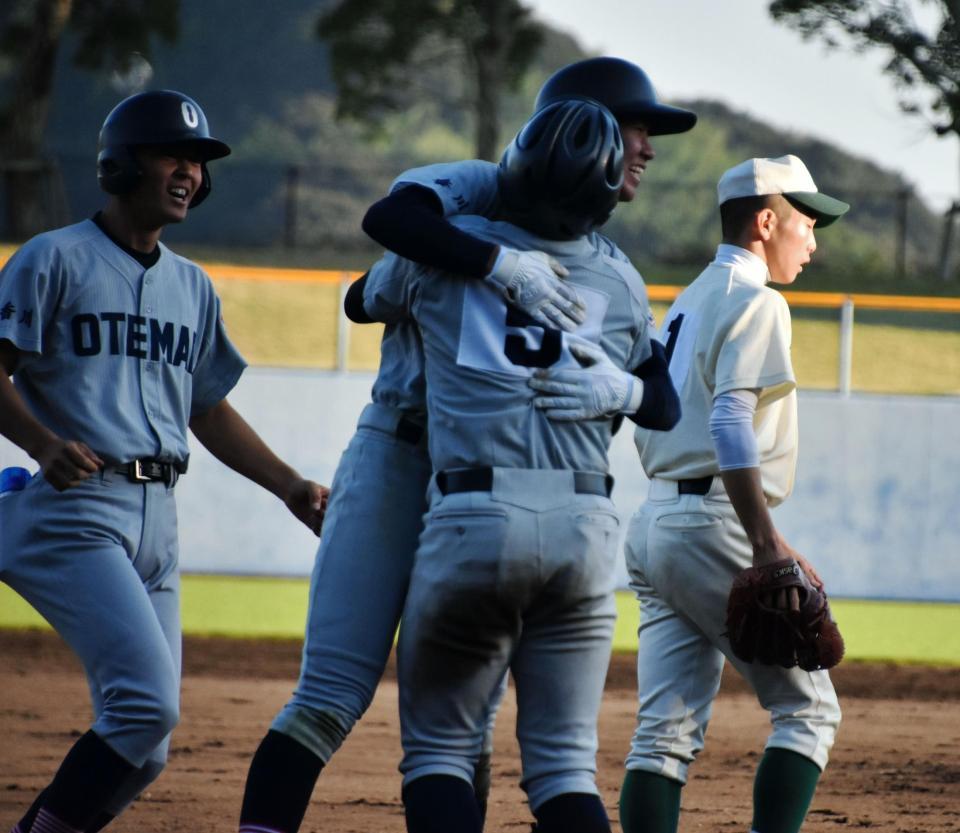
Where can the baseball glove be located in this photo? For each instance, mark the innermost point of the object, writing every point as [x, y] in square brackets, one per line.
[759, 632]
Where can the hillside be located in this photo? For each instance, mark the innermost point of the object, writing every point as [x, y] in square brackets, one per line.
[299, 179]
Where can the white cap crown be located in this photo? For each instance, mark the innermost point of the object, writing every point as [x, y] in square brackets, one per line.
[759, 177]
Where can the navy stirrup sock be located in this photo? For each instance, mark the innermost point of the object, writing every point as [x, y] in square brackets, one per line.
[441, 804]
[572, 813]
[281, 779]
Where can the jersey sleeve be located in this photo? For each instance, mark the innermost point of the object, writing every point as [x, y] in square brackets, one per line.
[30, 286]
[465, 187]
[218, 365]
[640, 310]
[755, 353]
[390, 289]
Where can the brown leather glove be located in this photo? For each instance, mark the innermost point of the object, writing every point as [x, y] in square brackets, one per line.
[761, 632]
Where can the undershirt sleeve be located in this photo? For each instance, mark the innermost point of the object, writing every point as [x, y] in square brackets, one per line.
[731, 426]
[410, 223]
[353, 301]
[660, 406]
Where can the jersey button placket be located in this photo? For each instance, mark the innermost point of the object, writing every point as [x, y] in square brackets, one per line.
[149, 369]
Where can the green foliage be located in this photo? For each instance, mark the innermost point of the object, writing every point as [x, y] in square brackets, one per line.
[464, 52]
[110, 31]
[107, 34]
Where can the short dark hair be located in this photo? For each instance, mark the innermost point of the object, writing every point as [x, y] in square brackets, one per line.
[736, 213]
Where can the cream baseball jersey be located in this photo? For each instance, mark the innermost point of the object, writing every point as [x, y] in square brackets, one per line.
[728, 331]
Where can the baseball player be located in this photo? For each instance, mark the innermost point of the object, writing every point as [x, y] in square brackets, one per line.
[713, 480]
[515, 565]
[378, 497]
[384, 472]
[116, 345]
[411, 222]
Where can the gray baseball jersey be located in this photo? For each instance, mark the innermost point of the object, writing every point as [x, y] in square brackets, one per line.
[484, 351]
[400, 383]
[113, 354]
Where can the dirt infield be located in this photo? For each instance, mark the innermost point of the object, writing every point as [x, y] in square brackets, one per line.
[896, 766]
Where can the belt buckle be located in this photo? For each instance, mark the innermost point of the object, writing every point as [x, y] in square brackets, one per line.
[137, 475]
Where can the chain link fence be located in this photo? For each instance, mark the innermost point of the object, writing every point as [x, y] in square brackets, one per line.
[889, 233]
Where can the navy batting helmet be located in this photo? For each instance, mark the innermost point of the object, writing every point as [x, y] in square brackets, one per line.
[159, 117]
[620, 86]
[561, 175]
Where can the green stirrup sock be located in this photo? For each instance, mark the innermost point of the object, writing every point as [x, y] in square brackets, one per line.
[649, 803]
[782, 791]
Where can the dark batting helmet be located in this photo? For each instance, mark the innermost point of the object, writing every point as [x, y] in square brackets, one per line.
[159, 117]
[561, 176]
[620, 86]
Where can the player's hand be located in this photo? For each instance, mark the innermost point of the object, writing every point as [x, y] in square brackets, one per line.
[595, 390]
[67, 463]
[808, 568]
[531, 282]
[785, 599]
[308, 503]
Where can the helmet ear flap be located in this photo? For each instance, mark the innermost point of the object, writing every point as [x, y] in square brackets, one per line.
[205, 186]
[118, 172]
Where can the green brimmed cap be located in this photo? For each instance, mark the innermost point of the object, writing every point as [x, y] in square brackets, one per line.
[786, 175]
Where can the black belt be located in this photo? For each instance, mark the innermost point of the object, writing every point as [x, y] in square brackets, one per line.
[149, 471]
[481, 480]
[695, 486]
[409, 431]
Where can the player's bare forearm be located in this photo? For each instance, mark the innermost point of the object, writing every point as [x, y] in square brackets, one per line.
[745, 491]
[63, 463]
[231, 439]
[17, 424]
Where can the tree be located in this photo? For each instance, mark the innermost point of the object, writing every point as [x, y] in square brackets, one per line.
[924, 62]
[385, 52]
[109, 34]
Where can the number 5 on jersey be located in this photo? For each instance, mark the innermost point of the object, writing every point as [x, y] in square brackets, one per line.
[495, 336]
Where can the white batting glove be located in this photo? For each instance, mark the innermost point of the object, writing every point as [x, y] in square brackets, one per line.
[596, 389]
[531, 282]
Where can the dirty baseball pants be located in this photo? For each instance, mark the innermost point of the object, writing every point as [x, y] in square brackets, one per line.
[518, 576]
[682, 552]
[360, 578]
[99, 563]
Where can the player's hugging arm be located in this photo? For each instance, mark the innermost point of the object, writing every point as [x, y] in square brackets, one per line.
[411, 222]
[660, 406]
[353, 301]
